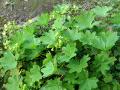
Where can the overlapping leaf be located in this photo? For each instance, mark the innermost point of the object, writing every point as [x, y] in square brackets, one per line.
[50, 66]
[103, 41]
[13, 83]
[85, 20]
[101, 11]
[53, 84]
[115, 19]
[68, 52]
[88, 37]
[72, 35]
[89, 84]
[78, 66]
[8, 62]
[49, 38]
[43, 19]
[85, 82]
[103, 63]
[33, 75]
[58, 23]
[48, 69]
[106, 40]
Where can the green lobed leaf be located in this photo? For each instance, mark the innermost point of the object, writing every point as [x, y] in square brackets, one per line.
[8, 62]
[55, 84]
[43, 19]
[58, 23]
[87, 37]
[48, 58]
[22, 37]
[30, 28]
[115, 19]
[78, 66]
[114, 85]
[68, 86]
[49, 38]
[101, 11]
[33, 75]
[85, 20]
[106, 40]
[50, 66]
[89, 84]
[70, 36]
[13, 83]
[108, 78]
[70, 78]
[17, 39]
[103, 41]
[48, 69]
[68, 52]
[82, 76]
[86, 83]
[103, 63]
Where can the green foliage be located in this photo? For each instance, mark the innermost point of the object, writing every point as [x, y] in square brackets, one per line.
[76, 52]
[13, 83]
[78, 66]
[106, 39]
[49, 38]
[49, 66]
[89, 84]
[33, 75]
[67, 53]
[102, 62]
[115, 19]
[53, 84]
[85, 20]
[43, 19]
[103, 41]
[101, 11]
[8, 62]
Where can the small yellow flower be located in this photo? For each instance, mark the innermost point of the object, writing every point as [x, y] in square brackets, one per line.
[3, 33]
[30, 21]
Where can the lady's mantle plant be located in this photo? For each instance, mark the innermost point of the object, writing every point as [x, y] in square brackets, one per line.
[67, 49]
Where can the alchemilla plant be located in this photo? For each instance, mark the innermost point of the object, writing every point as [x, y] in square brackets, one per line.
[66, 49]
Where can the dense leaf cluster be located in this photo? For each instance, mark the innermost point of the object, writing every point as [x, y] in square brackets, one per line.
[78, 51]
